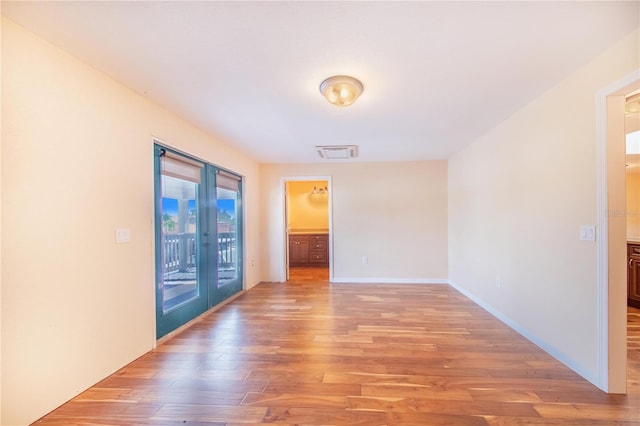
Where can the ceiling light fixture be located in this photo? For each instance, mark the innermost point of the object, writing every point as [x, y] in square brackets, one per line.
[322, 190]
[341, 90]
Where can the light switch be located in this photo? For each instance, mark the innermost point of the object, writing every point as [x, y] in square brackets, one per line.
[587, 232]
[123, 235]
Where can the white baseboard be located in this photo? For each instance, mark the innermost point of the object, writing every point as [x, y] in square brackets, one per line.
[554, 352]
[343, 280]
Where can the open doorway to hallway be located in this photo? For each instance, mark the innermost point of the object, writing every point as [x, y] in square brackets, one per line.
[632, 175]
[307, 207]
[615, 352]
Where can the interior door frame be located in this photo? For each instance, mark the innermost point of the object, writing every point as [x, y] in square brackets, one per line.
[284, 244]
[611, 263]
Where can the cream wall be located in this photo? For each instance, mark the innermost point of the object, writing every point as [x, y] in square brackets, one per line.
[307, 211]
[77, 163]
[517, 197]
[393, 213]
[633, 206]
[0, 227]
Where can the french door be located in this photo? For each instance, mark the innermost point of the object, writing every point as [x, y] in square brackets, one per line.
[198, 230]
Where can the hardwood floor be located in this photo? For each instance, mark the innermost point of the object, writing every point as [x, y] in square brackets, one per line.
[352, 354]
[308, 274]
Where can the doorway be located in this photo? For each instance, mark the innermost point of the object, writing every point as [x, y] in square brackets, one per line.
[612, 241]
[632, 164]
[198, 235]
[307, 229]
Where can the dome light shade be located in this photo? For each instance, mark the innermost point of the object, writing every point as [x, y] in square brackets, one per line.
[341, 90]
[632, 105]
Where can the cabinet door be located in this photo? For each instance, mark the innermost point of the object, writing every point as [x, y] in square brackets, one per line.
[298, 249]
[634, 281]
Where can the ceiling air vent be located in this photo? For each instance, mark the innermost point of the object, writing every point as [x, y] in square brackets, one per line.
[337, 152]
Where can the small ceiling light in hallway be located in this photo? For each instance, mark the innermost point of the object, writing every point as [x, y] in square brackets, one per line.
[341, 90]
[322, 190]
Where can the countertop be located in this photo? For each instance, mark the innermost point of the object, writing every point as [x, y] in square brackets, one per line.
[308, 231]
[633, 241]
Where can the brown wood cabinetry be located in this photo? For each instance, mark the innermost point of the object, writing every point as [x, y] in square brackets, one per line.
[298, 250]
[309, 250]
[633, 274]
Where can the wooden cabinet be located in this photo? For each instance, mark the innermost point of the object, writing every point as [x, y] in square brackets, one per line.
[633, 275]
[298, 250]
[309, 250]
[318, 250]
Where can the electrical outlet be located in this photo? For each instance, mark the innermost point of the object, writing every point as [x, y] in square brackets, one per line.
[365, 260]
[498, 282]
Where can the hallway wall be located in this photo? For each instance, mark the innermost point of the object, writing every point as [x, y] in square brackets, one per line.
[394, 214]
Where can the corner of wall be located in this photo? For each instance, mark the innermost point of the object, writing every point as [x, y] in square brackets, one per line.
[1, 91]
[554, 352]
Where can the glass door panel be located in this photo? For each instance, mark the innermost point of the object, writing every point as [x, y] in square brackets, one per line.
[198, 231]
[181, 286]
[227, 237]
[228, 225]
[179, 230]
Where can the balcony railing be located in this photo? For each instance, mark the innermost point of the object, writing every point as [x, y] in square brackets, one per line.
[180, 251]
[227, 256]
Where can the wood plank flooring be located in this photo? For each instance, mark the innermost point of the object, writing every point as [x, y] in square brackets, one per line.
[306, 274]
[310, 353]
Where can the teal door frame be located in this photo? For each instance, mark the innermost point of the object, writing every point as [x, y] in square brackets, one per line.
[210, 291]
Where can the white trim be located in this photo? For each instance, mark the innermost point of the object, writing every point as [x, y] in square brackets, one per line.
[283, 222]
[551, 350]
[344, 280]
[602, 315]
[602, 264]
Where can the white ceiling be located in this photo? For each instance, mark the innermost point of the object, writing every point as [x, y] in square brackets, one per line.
[437, 74]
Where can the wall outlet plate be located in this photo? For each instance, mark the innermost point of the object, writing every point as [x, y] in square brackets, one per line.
[587, 232]
[123, 235]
